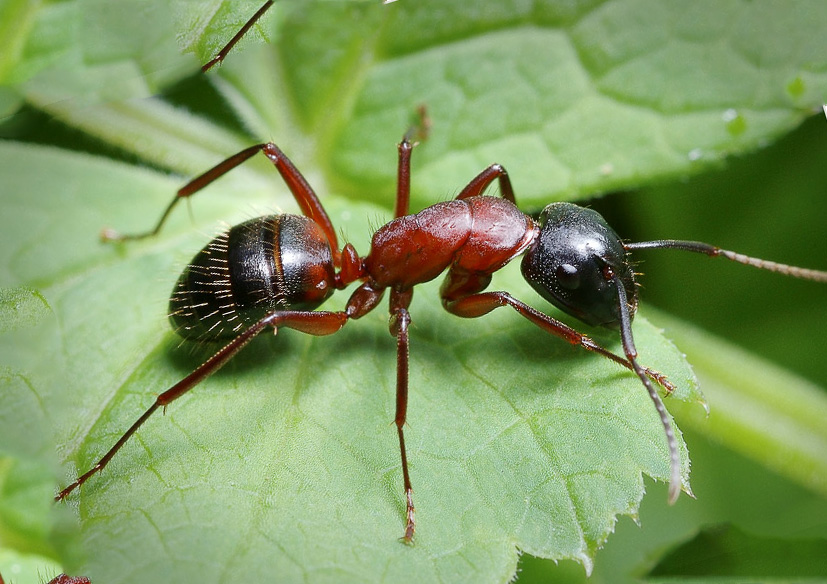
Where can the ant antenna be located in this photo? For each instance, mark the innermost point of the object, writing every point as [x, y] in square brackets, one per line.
[713, 251]
[626, 329]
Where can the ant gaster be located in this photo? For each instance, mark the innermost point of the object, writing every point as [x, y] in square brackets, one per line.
[274, 271]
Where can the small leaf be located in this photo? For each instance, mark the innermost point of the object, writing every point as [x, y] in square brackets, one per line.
[207, 26]
[86, 52]
[759, 410]
[726, 552]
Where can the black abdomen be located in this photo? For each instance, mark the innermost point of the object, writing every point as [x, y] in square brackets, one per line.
[277, 262]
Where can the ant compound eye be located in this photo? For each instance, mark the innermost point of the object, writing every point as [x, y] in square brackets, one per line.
[568, 277]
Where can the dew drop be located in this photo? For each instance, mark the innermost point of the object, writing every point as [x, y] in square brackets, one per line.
[735, 122]
[796, 87]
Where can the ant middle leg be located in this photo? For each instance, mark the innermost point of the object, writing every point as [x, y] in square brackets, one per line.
[418, 129]
[474, 188]
[480, 182]
[363, 300]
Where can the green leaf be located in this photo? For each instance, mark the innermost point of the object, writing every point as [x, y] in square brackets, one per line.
[20, 307]
[285, 462]
[784, 430]
[87, 52]
[291, 442]
[538, 89]
[29, 523]
[206, 27]
[727, 552]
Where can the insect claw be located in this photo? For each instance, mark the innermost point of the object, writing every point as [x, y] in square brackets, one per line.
[410, 522]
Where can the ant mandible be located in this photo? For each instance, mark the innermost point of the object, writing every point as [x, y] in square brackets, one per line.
[274, 271]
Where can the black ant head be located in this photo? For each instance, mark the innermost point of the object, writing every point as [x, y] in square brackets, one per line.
[571, 263]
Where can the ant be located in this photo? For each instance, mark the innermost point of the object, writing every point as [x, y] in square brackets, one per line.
[275, 271]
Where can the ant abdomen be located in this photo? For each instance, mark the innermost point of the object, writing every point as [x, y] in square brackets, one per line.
[276, 262]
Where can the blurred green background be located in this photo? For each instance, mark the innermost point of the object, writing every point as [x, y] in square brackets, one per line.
[606, 117]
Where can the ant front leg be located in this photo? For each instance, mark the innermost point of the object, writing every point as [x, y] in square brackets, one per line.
[311, 322]
[461, 296]
[476, 305]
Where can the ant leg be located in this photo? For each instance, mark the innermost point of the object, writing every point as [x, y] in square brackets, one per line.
[403, 173]
[187, 190]
[238, 36]
[310, 322]
[399, 322]
[304, 195]
[403, 178]
[293, 178]
[460, 297]
[479, 183]
[714, 251]
[475, 305]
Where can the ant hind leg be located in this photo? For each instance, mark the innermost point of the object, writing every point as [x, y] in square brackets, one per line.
[311, 322]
